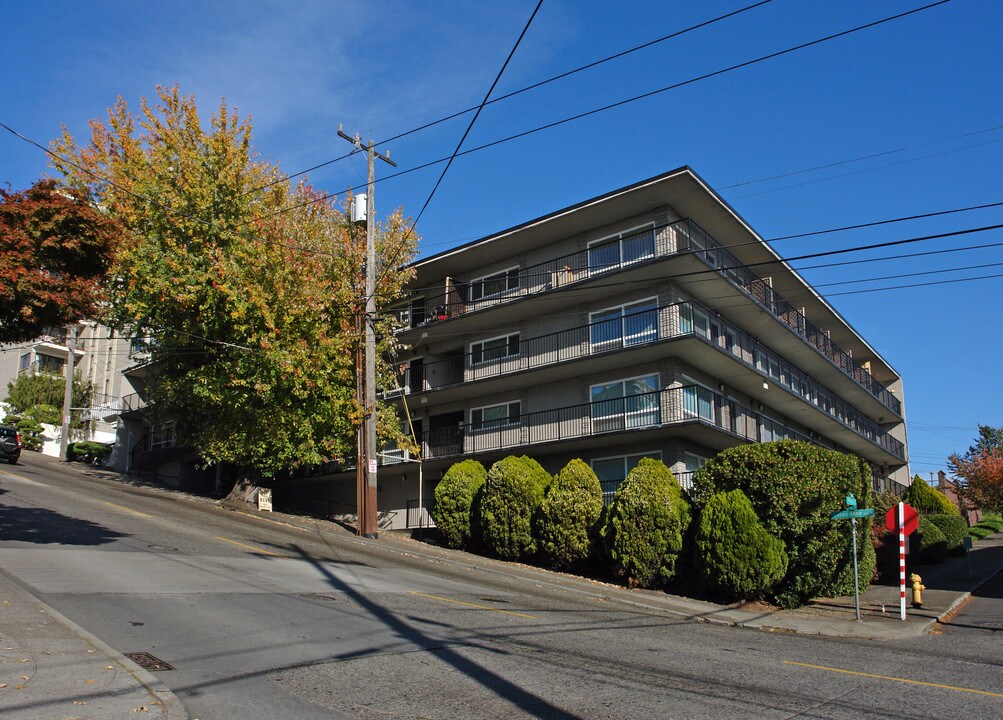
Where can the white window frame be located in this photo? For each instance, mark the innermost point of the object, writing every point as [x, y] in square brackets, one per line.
[499, 424]
[690, 382]
[655, 454]
[618, 237]
[623, 338]
[501, 275]
[507, 338]
[627, 414]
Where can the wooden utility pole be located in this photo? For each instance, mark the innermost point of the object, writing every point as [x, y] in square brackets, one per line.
[367, 525]
[64, 438]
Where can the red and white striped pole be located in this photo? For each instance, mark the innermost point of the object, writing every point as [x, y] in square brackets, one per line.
[901, 528]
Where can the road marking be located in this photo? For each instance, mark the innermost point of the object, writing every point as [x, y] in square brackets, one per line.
[251, 547]
[479, 607]
[134, 512]
[896, 679]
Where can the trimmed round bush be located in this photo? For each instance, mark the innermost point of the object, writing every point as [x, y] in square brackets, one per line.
[954, 528]
[735, 555]
[509, 498]
[794, 487]
[927, 500]
[644, 525]
[980, 532]
[567, 523]
[454, 498]
[931, 543]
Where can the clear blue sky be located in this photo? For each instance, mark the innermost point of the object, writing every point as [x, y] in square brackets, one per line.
[918, 98]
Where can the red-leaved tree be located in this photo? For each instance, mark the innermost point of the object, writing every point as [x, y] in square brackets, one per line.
[55, 252]
[979, 472]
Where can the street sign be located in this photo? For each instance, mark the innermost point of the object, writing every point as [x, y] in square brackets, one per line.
[852, 514]
[910, 517]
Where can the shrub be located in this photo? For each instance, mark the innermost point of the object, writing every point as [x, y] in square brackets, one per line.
[928, 501]
[735, 554]
[930, 541]
[980, 532]
[992, 522]
[794, 487]
[566, 525]
[954, 528]
[88, 451]
[31, 430]
[643, 528]
[454, 497]
[508, 500]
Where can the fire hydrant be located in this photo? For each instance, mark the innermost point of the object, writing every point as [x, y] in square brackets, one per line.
[917, 588]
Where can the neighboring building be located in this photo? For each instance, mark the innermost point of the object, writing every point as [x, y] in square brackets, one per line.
[99, 357]
[650, 321]
[950, 489]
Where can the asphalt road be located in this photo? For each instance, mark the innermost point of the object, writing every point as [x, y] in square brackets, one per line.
[262, 620]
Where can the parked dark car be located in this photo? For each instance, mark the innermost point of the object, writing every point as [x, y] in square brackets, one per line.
[10, 443]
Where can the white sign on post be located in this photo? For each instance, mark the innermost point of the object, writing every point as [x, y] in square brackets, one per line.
[265, 499]
[372, 467]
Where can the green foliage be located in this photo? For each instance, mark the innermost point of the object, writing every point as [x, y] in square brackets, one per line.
[980, 532]
[31, 431]
[931, 544]
[509, 498]
[794, 487]
[40, 397]
[954, 528]
[643, 528]
[566, 525]
[88, 451]
[736, 556]
[454, 497]
[992, 523]
[927, 500]
[252, 313]
[55, 250]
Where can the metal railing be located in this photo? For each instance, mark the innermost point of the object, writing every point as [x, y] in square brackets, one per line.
[650, 325]
[681, 236]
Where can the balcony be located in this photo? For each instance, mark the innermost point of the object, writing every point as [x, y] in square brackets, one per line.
[676, 406]
[683, 237]
[636, 329]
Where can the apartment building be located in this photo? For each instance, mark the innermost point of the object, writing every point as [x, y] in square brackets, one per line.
[649, 321]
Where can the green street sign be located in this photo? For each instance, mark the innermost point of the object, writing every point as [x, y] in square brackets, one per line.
[848, 514]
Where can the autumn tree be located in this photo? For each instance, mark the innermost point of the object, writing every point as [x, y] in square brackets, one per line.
[55, 251]
[248, 288]
[979, 472]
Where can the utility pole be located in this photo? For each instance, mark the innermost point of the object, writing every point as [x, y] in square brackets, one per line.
[367, 461]
[64, 439]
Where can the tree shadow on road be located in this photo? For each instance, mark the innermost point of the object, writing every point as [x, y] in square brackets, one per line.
[46, 527]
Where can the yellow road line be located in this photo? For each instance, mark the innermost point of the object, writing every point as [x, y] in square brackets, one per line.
[134, 512]
[479, 607]
[251, 547]
[896, 679]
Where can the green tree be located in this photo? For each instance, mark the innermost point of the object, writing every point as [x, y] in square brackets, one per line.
[794, 487]
[643, 528]
[249, 288]
[454, 499]
[55, 252]
[508, 500]
[734, 553]
[39, 396]
[567, 523]
[926, 499]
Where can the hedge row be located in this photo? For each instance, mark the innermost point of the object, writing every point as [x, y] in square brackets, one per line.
[761, 515]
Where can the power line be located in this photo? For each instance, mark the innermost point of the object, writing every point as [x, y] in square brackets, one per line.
[642, 96]
[533, 86]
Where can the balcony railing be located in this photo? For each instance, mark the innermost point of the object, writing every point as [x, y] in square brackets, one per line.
[640, 328]
[682, 236]
[663, 408]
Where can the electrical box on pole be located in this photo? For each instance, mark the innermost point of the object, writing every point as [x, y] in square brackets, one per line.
[360, 211]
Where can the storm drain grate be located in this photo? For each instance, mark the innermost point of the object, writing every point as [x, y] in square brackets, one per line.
[148, 662]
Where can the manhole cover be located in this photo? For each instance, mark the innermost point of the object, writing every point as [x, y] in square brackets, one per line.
[148, 662]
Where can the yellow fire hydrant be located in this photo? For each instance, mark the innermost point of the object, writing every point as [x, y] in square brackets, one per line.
[917, 589]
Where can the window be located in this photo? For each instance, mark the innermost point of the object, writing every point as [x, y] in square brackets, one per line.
[137, 345]
[49, 364]
[698, 401]
[770, 430]
[625, 325]
[25, 362]
[612, 471]
[624, 404]
[622, 249]
[494, 349]
[494, 284]
[494, 417]
[694, 319]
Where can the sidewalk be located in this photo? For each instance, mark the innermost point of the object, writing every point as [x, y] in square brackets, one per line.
[51, 668]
